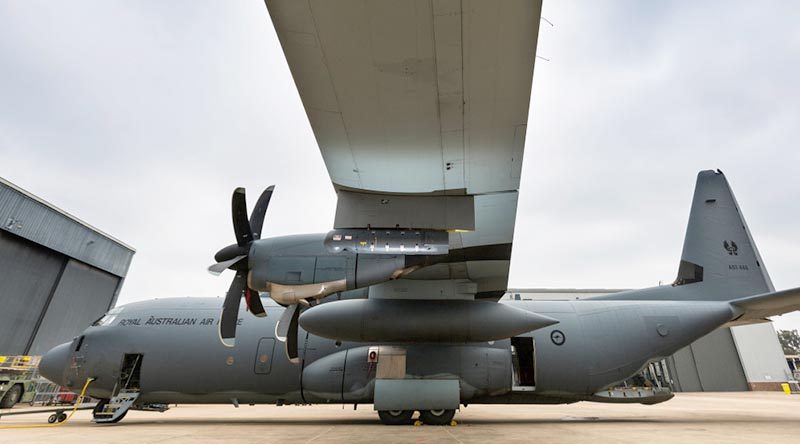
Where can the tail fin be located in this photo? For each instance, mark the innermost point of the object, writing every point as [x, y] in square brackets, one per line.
[719, 256]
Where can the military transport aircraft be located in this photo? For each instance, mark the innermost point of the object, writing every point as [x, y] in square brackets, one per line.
[419, 109]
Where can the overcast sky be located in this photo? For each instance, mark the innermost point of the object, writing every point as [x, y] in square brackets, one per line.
[140, 117]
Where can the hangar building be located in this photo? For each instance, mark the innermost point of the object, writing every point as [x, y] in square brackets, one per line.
[57, 273]
[747, 357]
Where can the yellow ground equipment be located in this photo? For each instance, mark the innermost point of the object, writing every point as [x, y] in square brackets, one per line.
[17, 379]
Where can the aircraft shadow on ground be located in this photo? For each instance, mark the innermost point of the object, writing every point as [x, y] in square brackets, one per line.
[498, 421]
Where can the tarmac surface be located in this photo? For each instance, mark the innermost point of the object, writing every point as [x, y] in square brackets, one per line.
[751, 417]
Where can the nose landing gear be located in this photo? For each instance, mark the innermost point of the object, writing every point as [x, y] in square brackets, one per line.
[57, 417]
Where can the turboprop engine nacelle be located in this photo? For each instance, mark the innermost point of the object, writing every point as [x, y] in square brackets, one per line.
[409, 320]
[299, 269]
[291, 278]
[302, 267]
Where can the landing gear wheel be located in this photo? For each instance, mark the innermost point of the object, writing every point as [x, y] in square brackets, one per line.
[437, 417]
[11, 397]
[62, 417]
[52, 418]
[396, 417]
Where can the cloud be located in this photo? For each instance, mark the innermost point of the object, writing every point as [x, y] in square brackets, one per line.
[142, 117]
[632, 104]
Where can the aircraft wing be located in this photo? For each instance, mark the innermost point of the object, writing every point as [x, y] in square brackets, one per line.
[420, 110]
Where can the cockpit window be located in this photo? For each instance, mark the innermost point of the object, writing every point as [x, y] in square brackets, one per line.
[79, 344]
[107, 318]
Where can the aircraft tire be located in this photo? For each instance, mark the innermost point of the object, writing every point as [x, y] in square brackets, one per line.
[396, 417]
[11, 397]
[437, 417]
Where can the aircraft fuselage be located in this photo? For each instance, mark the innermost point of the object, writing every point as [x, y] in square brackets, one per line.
[594, 345]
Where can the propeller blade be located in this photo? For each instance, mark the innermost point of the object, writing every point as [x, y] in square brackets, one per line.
[219, 267]
[241, 225]
[282, 327]
[253, 300]
[230, 310]
[291, 339]
[260, 211]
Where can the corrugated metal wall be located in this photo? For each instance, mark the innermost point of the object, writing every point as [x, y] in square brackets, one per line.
[762, 356]
[31, 218]
[57, 273]
[710, 364]
[84, 293]
[685, 377]
[28, 274]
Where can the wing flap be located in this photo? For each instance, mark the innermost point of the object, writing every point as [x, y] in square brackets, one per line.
[361, 210]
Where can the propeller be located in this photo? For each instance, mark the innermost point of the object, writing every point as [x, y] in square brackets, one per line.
[234, 257]
[286, 331]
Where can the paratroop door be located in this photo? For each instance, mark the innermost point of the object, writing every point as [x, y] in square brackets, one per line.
[523, 359]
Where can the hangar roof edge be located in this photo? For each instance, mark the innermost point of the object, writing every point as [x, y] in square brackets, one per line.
[75, 219]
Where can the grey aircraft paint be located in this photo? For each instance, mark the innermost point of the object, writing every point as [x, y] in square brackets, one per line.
[183, 360]
[409, 320]
[584, 348]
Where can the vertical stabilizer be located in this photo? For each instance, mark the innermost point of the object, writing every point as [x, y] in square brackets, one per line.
[719, 255]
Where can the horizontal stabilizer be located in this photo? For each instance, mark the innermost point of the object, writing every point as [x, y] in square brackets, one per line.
[759, 307]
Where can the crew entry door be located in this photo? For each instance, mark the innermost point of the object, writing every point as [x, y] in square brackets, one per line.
[523, 362]
[130, 373]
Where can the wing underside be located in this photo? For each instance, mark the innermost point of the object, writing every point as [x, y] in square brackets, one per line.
[420, 110]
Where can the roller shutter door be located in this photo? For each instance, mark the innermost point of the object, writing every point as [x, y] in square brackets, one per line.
[82, 296]
[28, 273]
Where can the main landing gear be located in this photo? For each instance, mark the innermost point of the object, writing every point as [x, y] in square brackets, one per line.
[437, 417]
[429, 417]
[396, 417]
